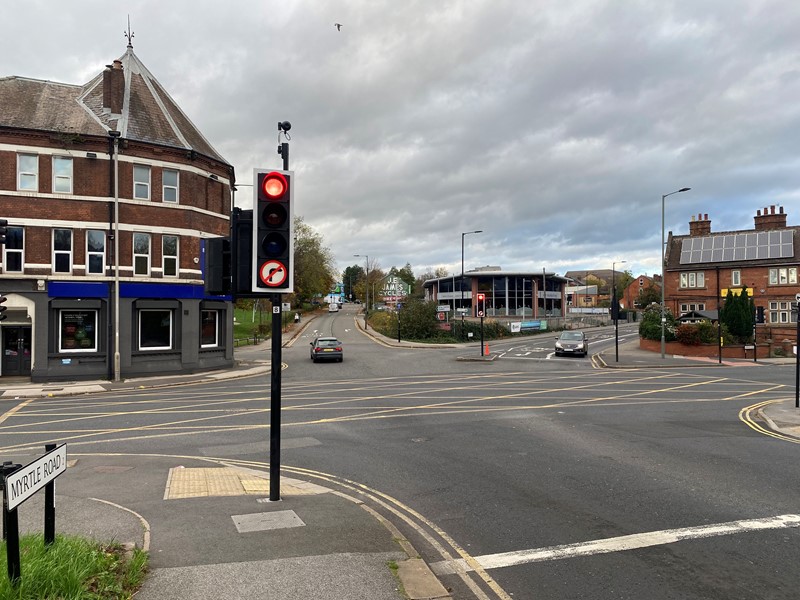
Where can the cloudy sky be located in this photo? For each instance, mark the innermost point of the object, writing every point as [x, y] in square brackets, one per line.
[554, 126]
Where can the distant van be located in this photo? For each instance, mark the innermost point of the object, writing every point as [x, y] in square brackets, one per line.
[333, 307]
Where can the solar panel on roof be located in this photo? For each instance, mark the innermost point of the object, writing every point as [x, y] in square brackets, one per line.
[738, 246]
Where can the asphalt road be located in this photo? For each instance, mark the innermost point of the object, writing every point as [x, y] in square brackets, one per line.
[548, 477]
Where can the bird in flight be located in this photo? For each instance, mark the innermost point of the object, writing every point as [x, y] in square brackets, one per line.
[338, 26]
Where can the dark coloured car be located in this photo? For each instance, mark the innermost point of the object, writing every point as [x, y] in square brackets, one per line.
[572, 342]
[326, 348]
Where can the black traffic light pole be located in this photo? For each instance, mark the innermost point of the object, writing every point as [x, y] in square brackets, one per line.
[275, 402]
[275, 364]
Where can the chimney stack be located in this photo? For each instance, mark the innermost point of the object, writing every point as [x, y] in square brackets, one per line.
[114, 87]
[769, 219]
[699, 226]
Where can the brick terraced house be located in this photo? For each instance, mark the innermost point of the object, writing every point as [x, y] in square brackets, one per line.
[79, 164]
[702, 266]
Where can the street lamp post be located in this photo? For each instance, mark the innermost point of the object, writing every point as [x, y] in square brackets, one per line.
[461, 284]
[366, 286]
[663, 269]
[615, 307]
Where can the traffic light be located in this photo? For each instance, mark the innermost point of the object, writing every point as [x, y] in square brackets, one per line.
[217, 274]
[2, 308]
[3, 230]
[481, 305]
[273, 243]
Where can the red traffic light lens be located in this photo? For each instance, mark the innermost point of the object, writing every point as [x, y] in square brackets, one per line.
[274, 185]
[481, 297]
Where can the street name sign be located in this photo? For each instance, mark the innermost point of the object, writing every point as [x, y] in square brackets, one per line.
[25, 482]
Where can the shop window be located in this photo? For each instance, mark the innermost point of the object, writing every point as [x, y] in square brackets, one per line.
[28, 172]
[169, 189]
[13, 250]
[209, 328]
[62, 250]
[62, 174]
[141, 182]
[155, 329]
[169, 255]
[95, 252]
[141, 254]
[77, 331]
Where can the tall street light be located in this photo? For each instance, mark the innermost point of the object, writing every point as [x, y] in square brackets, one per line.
[615, 306]
[366, 286]
[663, 270]
[461, 285]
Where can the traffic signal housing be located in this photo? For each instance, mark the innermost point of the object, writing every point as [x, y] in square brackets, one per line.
[481, 305]
[3, 231]
[273, 240]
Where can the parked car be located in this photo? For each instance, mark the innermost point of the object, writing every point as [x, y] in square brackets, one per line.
[572, 342]
[326, 348]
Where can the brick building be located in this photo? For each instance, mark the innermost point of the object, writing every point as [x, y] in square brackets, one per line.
[640, 284]
[701, 267]
[79, 164]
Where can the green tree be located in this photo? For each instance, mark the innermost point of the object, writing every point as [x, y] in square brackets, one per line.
[650, 326]
[648, 295]
[313, 263]
[418, 320]
[407, 275]
[350, 277]
[737, 315]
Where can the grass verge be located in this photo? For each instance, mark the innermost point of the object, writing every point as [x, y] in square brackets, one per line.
[73, 568]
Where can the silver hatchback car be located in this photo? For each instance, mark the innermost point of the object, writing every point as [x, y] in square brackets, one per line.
[572, 342]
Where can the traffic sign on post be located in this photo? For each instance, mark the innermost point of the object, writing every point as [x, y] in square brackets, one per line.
[273, 240]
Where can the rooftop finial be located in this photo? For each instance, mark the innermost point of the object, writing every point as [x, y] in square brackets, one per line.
[129, 34]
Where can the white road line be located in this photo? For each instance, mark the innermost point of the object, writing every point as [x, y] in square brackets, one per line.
[617, 544]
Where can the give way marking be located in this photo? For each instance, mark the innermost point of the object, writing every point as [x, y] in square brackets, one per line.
[615, 544]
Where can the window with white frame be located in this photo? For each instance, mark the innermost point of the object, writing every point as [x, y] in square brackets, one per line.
[169, 255]
[141, 182]
[28, 172]
[693, 280]
[62, 174]
[77, 331]
[781, 312]
[95, 252]
[692, 307]
[736, 278]
[169, 185]
[155, 329]
[13, 250]
[141, 254]
[782, 276]
[62, 250]
[209, 328]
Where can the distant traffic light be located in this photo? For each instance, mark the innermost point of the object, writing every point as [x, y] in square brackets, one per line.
[3, 231]
[3, 308]
[273, 242]
[481, 305]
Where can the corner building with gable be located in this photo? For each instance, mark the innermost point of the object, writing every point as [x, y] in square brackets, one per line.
[85, 169]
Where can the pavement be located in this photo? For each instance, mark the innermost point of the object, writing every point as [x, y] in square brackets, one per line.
[211, 531]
